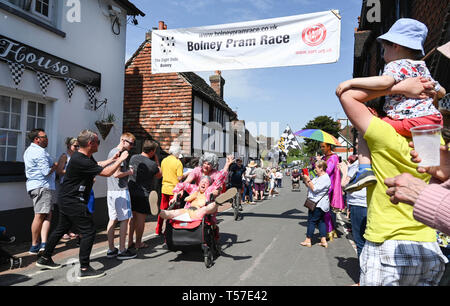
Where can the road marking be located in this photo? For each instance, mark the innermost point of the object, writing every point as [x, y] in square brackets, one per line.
[257, 261]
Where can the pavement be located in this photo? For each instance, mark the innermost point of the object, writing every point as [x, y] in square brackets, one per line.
[69, 249]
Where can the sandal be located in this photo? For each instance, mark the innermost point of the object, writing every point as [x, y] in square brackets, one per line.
[226, 196]
[305, 244]
[324, 244]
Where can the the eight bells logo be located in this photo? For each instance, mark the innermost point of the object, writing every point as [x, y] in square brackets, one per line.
[314, 35]
[167, 44]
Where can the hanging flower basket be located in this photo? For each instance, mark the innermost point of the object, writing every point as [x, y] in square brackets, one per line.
[104, 128]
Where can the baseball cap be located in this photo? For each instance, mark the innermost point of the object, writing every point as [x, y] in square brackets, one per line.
[408, 33]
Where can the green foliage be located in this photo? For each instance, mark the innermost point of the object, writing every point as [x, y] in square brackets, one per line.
[324, 123]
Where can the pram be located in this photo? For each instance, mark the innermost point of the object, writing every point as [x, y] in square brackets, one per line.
[295, 183]
[190, 236]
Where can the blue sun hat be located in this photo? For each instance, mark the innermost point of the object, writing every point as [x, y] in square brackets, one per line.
[408, 33]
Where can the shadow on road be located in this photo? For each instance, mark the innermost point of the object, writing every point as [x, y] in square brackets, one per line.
[351, 266]
[12, 279]
[289, 214]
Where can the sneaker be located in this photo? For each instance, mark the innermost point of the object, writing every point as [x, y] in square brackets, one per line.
[360, 180]
[127, 254]
[34, 250]
[153, 200]
[90, 273]
[226, 196]
[42, 247]
[15, 263]
[45, 263]
[112, 254]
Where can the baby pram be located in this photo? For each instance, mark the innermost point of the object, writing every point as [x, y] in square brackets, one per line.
[295, 183]
[193, 236]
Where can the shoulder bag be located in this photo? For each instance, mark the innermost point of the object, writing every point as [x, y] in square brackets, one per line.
[311, 205]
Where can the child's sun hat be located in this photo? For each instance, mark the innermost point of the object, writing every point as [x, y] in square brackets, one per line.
[408, 33]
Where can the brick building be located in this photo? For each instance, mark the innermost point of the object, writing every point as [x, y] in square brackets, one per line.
[435, 14]
[176, 107]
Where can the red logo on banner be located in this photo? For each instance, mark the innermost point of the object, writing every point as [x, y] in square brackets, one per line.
[314, 35]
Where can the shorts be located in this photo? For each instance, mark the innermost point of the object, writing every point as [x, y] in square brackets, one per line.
[43, 199]
[259, 186]
[401, 263]
[119, 206]
[404, 126]
[140, 204]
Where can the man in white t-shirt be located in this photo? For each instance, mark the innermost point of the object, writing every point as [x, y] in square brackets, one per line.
[119, 203]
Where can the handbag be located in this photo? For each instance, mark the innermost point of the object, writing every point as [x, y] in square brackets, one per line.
[311, 205]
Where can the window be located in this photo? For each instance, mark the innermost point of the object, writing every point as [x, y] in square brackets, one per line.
[41, 8]
[10, 113]
[18, 116]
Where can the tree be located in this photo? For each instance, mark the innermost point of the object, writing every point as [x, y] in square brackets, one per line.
[324, 123]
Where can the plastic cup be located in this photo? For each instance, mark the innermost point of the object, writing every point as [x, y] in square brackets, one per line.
[427, 140]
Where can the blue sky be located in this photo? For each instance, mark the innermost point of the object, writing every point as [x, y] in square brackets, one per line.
[268, 96]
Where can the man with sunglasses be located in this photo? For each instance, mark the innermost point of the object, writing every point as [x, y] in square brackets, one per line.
[40, 173]
[119, 205]
[73, 201]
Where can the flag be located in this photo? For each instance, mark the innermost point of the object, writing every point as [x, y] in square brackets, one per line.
[288, 141]
[44, 81]
[16, 72]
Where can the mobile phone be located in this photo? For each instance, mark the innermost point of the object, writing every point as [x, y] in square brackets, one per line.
[305, 171]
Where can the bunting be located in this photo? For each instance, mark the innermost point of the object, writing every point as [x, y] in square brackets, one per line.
[44, 81]
[16, 72]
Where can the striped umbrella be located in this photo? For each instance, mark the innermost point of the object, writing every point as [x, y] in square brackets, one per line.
[318, 135]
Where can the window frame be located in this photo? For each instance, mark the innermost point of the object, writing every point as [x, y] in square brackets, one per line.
[50, 18]
[51, 24]
[14, 171]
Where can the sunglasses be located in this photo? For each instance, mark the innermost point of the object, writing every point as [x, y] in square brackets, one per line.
[129, 142]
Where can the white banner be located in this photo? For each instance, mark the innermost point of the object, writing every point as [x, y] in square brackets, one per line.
[289, 41]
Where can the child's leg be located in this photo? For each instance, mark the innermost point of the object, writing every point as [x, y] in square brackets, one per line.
[170, 214]
[403, 127]
[364, 177]
[363, 151]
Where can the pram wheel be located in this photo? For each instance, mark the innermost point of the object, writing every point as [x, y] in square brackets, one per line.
[208, 257]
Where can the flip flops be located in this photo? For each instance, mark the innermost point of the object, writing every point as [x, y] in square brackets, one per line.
[226, 196]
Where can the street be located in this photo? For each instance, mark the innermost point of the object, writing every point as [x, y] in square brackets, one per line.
[261, 249]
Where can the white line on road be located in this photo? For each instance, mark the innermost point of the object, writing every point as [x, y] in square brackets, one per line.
[249, 271]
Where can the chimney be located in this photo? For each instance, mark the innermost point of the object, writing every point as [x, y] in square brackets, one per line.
[162, 26]
[217, 83]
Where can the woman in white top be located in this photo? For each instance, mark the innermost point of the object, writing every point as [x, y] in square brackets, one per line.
[318, 190]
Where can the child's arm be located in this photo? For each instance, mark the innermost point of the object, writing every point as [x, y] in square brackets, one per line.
[372, 83]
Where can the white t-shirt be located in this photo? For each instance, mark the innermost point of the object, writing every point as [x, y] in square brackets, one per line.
[321, 186]
[357, 198]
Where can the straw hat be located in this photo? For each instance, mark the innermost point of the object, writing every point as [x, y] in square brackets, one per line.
[252, 164]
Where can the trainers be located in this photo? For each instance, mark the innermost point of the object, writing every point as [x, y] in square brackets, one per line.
[226, 196]
[15, 263]
[360, 180]
[127, 254]
[45, 263]
[42, 247]
[34, 250]
[89, 272]
[153, 200]
[112, 254]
